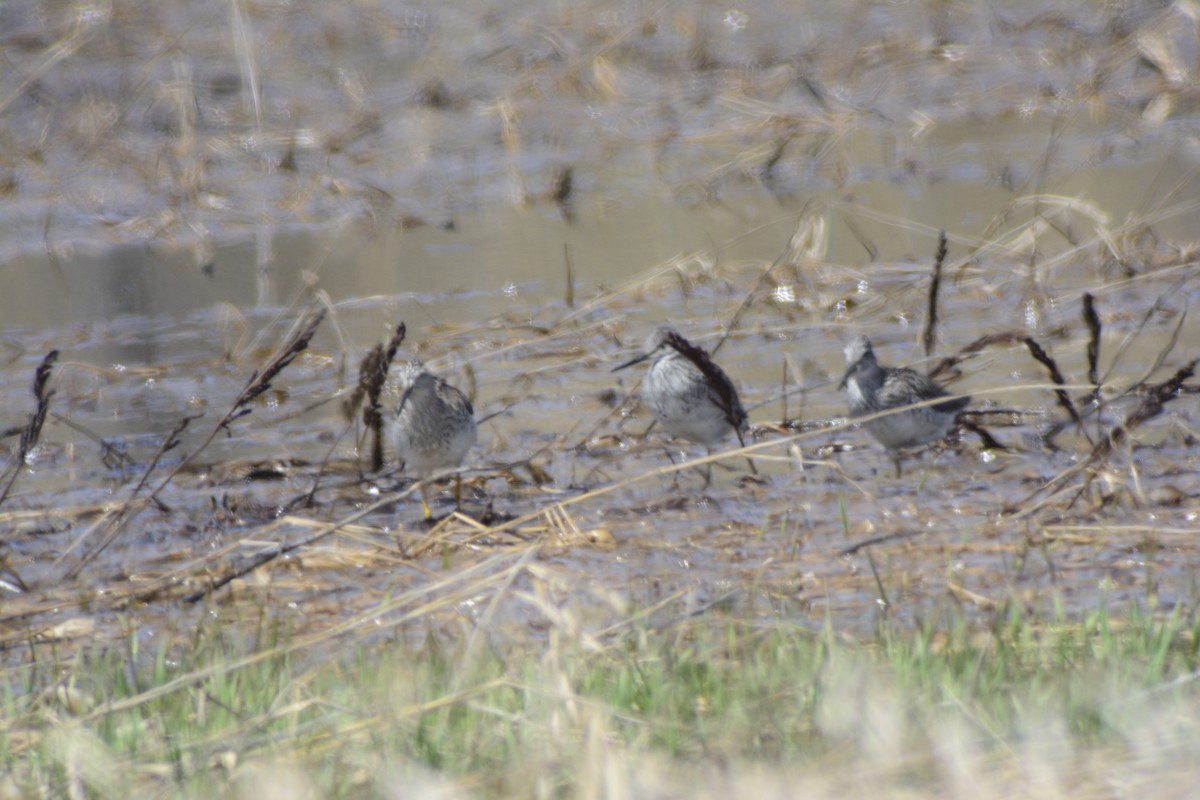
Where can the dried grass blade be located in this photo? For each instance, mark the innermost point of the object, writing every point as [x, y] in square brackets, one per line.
[735, 320]
[1161, 358]
[1159, 306]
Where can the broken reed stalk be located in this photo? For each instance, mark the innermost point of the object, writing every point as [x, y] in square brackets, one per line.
[967, 419]
[1154, 400]
[935, 284]
[33, 429]
[376, 391]
[874, 540]
[372, 375]
[983, 342]
[259, 382]
[1161, 305]
[1064, 400]
[1160, 359]
[1092, 319]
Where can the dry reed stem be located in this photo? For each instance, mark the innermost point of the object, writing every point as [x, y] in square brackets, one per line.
[1092, 320]
[931, 319]
[1051, 366]
[1151, 406]
[278, 550]
[260, 380]
[1161, 357]
[372, 375]
[1127, 341]
[1154, 399]
[483, 626]
[112, 523]
[258, 383]
[33, 429]
[735, 320]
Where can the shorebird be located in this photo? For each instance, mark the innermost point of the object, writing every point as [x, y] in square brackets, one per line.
[688, 394]
[433, 428]
[873, 389]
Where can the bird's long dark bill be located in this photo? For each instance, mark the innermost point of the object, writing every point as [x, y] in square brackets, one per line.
[846, 377]
[632, 361]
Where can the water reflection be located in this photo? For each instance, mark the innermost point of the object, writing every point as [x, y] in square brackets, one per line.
[458, 273]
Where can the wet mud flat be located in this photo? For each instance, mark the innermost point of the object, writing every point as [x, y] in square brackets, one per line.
[145, 516]
[782, 195]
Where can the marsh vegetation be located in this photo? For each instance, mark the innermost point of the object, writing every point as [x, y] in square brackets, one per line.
[215, 218]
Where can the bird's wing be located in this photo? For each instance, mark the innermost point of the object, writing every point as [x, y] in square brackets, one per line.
[905, 386]
[720, 388]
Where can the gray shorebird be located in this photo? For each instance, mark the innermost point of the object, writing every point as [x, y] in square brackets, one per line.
[433, 428]
[873, 389]
[688, 394]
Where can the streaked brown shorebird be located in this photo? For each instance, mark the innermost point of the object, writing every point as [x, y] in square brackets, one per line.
[688, 394]
[873, 389]
[433, 428]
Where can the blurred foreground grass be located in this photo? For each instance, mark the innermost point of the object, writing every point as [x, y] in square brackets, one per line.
[387, 705]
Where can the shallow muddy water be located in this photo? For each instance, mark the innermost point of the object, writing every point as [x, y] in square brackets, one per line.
[682, 215]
